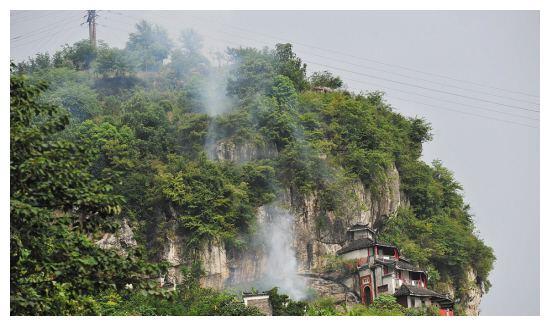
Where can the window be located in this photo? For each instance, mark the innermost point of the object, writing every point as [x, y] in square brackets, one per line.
[399, 274]
[386, 271]
[383, 288]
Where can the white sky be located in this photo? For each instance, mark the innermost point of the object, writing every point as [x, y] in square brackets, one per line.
[497, 162]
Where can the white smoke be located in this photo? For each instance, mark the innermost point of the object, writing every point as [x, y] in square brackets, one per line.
[216, 102]
[282, 266]
[214, 93]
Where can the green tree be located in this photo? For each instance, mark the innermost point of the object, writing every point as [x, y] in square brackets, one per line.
[282, 305]
[112, 62]
[325, 306]
[80, 55]
[287, 63]
[149, 45]
[148, 119]
[114, 154]
[211, 204]
[325, 79]
[191, 41]
[79, 99]
[252, 72]
[55, 205]
[41, 61]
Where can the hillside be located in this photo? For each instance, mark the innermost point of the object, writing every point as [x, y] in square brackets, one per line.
[168, 169]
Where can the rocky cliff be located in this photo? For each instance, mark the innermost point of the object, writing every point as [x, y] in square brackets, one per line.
[311, 243]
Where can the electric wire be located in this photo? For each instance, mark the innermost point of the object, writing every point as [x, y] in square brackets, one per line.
[414, 85]
[408, 92]
[385, 63]
[389, 80]
[443, 108]
[42, 30]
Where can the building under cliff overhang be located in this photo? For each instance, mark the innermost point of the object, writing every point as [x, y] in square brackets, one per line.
[379, 269]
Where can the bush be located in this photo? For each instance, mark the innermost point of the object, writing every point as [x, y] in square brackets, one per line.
[282, 305]
[325, 306]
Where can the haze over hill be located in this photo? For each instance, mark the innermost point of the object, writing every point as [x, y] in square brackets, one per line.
[496, 162]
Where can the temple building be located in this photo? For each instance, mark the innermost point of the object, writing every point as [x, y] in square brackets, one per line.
[381, 270]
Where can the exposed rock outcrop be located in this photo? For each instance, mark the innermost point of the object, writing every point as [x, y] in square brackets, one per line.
[172, 254]
[474, 292]
[327, 287]
[214, 262]
[120, 241]
[229, 150]
[312, 240]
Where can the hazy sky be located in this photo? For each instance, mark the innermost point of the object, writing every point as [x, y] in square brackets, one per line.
[497, 51]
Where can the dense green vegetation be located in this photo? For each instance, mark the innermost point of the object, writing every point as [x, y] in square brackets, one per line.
[103, 134]
[383, 305]
[55, 203]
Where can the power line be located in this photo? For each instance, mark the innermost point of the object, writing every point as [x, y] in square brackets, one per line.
[464, 112]
[387, 79]
[32, 15]
[446, 109]
[458, 111]
[60, 33]
[425, 104]
[408, 92]
[395, 73]
[42, 29]
[424, 80]
[428, 88]
[386, 64]
[438, 107]
[442, 100]
[56, 31]
[414, 85]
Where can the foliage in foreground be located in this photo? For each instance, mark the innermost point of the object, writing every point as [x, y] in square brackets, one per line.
[136, 144]
[383, 305]
[185, 301]
[55, 205]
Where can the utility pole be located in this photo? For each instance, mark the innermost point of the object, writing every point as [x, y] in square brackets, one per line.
[91, 26]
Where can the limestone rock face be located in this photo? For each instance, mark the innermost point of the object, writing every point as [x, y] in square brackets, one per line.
[327, 287]
[214, 262]
[228, 150]
[172, 254]
[311, 242]
[213, 259]
[245, 266]
[473, 296]
[120, 241]
[316, 233]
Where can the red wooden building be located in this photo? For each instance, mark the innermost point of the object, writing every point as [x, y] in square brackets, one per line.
[381, 269]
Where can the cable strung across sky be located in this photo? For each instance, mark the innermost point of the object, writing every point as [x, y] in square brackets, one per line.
[60, 27]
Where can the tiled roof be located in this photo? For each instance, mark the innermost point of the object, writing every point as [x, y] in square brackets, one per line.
[404, 259]
[407, 266]
[252, 294]
[355, 245]
[443, 300]
[399, 264]
[387, 262]
[385, 244]
[361, 244]
[406, 289]
[360, 227]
